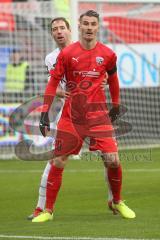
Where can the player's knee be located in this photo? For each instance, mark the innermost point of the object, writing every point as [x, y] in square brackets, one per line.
[60, 162]
[114, 165]
[51, 161]
[111, 160]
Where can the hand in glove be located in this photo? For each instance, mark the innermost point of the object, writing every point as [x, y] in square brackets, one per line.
[44, 124]
[114, 113]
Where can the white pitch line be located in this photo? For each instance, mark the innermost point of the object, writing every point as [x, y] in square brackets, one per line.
[137, 170]
[142, 170]
[66, 238]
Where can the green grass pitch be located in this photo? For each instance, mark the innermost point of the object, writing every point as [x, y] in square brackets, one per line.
[81, 209]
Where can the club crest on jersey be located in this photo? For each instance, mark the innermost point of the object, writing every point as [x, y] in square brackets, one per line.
[99, 60]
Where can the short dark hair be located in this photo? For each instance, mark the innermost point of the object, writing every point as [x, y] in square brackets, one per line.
[60, 19]
[89, 13]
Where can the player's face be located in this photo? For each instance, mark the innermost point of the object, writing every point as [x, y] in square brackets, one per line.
[88, 28]
[60, 33]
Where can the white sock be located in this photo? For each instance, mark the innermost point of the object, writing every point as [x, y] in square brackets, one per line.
[42, 189]
[110, 195]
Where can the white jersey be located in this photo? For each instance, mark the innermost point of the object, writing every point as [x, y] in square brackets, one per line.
[50, 62]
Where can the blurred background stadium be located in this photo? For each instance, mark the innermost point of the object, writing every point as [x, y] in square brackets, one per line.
[131, 28]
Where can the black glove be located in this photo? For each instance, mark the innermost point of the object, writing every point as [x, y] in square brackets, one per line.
[114, 113]
[44, 123]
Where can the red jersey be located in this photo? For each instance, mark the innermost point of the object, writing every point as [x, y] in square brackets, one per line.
[84, 71]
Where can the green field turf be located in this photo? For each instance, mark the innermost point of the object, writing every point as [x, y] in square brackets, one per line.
[81, 209]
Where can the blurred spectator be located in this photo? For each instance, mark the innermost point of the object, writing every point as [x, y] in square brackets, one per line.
[18, 76]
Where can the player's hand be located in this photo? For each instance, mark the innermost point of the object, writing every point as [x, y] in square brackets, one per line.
[44, 124]
[62, 94]
[114, 113]
[66, 94]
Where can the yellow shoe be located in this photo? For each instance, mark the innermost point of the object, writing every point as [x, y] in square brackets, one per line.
[43, 217]
[36, 212]
[124, 210]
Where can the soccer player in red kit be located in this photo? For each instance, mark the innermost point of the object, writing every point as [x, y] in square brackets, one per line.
[85, 113]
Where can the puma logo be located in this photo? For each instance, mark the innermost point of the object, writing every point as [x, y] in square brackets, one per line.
[75, 59]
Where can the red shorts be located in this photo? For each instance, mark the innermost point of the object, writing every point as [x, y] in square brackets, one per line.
[70, 137]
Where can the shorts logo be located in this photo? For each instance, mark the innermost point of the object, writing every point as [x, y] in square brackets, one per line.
[99, 60]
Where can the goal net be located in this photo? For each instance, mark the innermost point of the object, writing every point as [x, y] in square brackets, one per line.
[24, 29]
[131, 29]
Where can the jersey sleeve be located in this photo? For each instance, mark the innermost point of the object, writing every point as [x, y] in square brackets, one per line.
[114, 89]
[56, 75]
[112, 64]
[113, 81]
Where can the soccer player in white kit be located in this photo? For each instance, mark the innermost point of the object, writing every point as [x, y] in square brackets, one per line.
[61, 33]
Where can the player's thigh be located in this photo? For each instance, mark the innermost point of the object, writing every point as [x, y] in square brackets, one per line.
[67, 140]
[103, 144]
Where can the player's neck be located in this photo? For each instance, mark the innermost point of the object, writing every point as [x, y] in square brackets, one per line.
[64, 45]
[88, 44]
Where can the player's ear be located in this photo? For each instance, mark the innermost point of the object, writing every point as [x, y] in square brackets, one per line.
[79, 24]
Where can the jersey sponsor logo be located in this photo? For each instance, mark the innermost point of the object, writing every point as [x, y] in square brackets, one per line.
[91, 74]
[99, 60]
[83, 85]
[75, 59]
